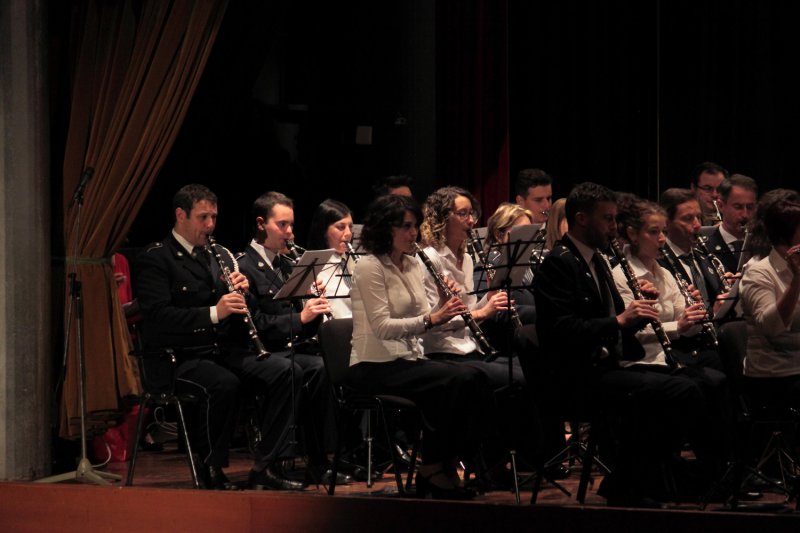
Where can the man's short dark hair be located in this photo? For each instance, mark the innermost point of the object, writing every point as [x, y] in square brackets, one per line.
[383, 214]
[672, 198]
[584, 197]
[531, 177]
[263, 205]
[387, 183]
[739, 180]
[188, 195]
[707, 167]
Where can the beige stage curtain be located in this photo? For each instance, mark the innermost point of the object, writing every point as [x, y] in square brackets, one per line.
[136, 67]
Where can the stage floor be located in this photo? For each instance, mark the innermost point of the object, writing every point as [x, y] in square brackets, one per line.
[163, 499]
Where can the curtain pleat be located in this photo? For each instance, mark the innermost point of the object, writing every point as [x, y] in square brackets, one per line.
[136, 67]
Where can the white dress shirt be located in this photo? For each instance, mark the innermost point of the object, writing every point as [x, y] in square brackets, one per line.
[670, 307]
[389, 307]
[337, 286]
[773, 348]
[453, 337]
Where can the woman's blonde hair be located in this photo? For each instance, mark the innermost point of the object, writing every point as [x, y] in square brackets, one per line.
[554, 217]
[502, 219]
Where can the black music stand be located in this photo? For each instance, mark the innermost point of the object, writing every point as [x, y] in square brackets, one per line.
[510, 265]
[305, 271]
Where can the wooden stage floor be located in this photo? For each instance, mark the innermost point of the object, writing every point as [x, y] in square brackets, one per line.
[162, 499]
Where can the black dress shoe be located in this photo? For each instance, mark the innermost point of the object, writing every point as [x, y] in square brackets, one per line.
[213, 478]
[341, 478]
[268, 479]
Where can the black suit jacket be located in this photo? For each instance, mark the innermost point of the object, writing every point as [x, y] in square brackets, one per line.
[175, 293]
[718, 247]
[572, 321]
[276, 321]
[706, 269]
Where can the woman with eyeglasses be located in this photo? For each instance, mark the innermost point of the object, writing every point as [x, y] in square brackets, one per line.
[448, 214]
[390, 313]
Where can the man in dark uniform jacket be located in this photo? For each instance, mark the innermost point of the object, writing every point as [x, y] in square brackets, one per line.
[585, 331]
[279, 322]
[738, 196]
[683, 224]
[187, 307]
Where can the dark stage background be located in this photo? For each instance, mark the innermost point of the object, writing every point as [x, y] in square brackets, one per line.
[632, 95]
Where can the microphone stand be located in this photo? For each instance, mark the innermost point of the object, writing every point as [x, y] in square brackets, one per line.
[85, 472]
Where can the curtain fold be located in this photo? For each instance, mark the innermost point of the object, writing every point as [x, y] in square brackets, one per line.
[472, 98]
[136, 67]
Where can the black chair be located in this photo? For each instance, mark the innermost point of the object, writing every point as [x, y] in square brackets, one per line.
[754, 418]
[157, 373]
[334, 339]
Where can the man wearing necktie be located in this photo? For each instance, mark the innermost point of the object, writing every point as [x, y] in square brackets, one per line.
[584, 330]
[187, 307]
[280, 322]
[738, 196]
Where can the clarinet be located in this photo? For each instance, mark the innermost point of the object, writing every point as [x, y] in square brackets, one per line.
[709, 331]
[661, 335]
[490, 353]
[296, 252]
[719, 269]
[252, 332]
[537, 256]
[490, 272]
[351, 252]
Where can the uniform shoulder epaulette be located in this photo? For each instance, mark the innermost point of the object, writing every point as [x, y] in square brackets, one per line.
[153, 246]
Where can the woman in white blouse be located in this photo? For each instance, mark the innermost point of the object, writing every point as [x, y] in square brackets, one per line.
[770, 296]
[390, 312]
[332, 227]
[691, 402]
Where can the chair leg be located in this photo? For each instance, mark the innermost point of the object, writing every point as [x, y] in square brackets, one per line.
[413, 463]
[370, 481]
[135, 442]
[397, 465]
[189, 453]
[588, 462]
[343, 425]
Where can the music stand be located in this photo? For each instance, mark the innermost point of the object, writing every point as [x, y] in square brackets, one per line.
[510, 265]
[304, 272]
[356, 239]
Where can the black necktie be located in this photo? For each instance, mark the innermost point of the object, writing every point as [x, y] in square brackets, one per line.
[202, 256]
[737, 246]
[603, 283]
[697, 278]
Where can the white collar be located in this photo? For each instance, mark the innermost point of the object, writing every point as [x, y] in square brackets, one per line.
[727, 236]
[183, 242]
[586, 252]
[265, 254]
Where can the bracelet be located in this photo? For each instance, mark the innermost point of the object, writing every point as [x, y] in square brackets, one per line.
[427, 322]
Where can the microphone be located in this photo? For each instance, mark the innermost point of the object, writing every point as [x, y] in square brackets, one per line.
[78, 194]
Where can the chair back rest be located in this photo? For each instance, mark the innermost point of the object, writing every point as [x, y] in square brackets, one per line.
[334, 339]
[732, 337]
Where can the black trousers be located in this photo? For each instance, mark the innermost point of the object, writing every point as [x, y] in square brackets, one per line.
[220, 383]
[453, 399]
[659, 409]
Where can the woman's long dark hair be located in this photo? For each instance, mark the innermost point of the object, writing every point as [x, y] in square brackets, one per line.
[327, 213]
[382, 215]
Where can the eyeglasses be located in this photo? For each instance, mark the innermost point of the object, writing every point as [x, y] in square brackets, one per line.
[465, 213]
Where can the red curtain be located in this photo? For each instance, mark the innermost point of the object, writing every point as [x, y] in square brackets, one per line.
[472, 98]
[136, 67]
